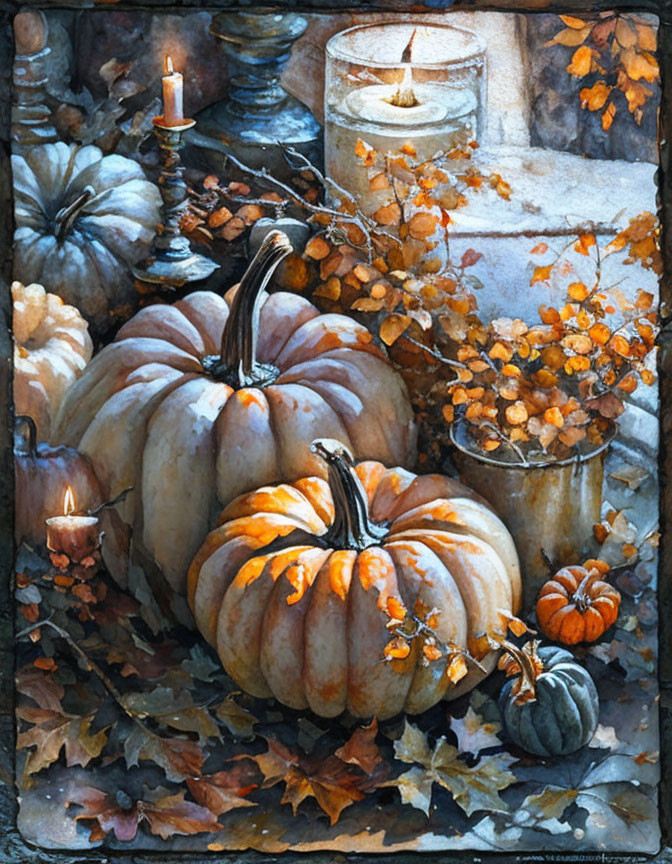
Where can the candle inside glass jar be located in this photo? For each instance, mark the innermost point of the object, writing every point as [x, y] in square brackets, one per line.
[428, 105]
[73, 535]
[173, 95]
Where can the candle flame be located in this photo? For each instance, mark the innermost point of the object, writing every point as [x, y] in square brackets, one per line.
[168, 64]
[69, 501]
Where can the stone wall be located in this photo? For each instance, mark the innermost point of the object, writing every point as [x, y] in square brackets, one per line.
[557, 119]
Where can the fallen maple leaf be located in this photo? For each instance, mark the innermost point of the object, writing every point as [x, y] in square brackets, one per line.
[175, 710]
[41, 687]
[361, 748]
[549, 804]
[473, 788]
[473, 735]
[165, 814]
[225, 790]
[238, 720]
[55, 730]
[179, 757]
[333, 783]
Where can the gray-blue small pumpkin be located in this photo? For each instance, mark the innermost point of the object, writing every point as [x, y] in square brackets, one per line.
[550, 707]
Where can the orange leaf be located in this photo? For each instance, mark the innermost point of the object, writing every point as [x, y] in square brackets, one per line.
[422, 225]
[392, 328]
[584, 243]
[593, 98]
[499, 351]
[395, 608]
[448, 413]
[457, 668]
[431, 652]
[554, 417]
[516, 413]
[539, 249]
[640, 65]
[397, 649]
[46, 663]
[608, 116]
[361, 149]
[581, 62]
[317, 248]
[380, 181]
[511, 370]
[599, 333]
[389, 214]
[541, 274]
[577, 291]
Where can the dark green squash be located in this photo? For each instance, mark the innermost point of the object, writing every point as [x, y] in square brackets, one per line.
[550, 707]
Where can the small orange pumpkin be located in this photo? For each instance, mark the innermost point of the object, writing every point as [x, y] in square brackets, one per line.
[577, 605]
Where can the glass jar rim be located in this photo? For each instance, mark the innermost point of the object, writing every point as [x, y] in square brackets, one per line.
[474, 52]
[457, 428]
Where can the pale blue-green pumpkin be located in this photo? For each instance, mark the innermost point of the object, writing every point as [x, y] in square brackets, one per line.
[563, 716]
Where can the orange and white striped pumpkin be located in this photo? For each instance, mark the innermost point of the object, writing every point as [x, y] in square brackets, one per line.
[293, 586]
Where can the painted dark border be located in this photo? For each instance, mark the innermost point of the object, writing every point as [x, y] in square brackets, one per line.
[13, 848]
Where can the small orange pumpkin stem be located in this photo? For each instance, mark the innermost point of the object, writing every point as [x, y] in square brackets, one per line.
[352, 527]
[238, 364]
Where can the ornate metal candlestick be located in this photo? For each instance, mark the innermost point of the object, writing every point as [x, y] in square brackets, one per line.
[31, 118]
[171, 261]
[257, 113]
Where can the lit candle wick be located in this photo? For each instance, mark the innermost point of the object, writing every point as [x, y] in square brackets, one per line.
[404, 97]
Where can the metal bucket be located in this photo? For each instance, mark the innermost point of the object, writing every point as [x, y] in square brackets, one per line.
[550, 506]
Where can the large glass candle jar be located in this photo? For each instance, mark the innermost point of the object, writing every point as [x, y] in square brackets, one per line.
[400, 88]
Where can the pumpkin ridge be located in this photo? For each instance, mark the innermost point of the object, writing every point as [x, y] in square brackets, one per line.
[276, 297]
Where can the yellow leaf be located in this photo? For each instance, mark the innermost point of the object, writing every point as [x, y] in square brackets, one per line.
[570, 38]
[574, 23]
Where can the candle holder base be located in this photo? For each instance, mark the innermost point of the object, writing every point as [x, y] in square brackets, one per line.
[174, 273]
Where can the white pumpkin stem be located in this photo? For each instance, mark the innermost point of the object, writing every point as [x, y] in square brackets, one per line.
[352, 527]
[28, 437]
[581, 598]
[66, 216]
[238, 364]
